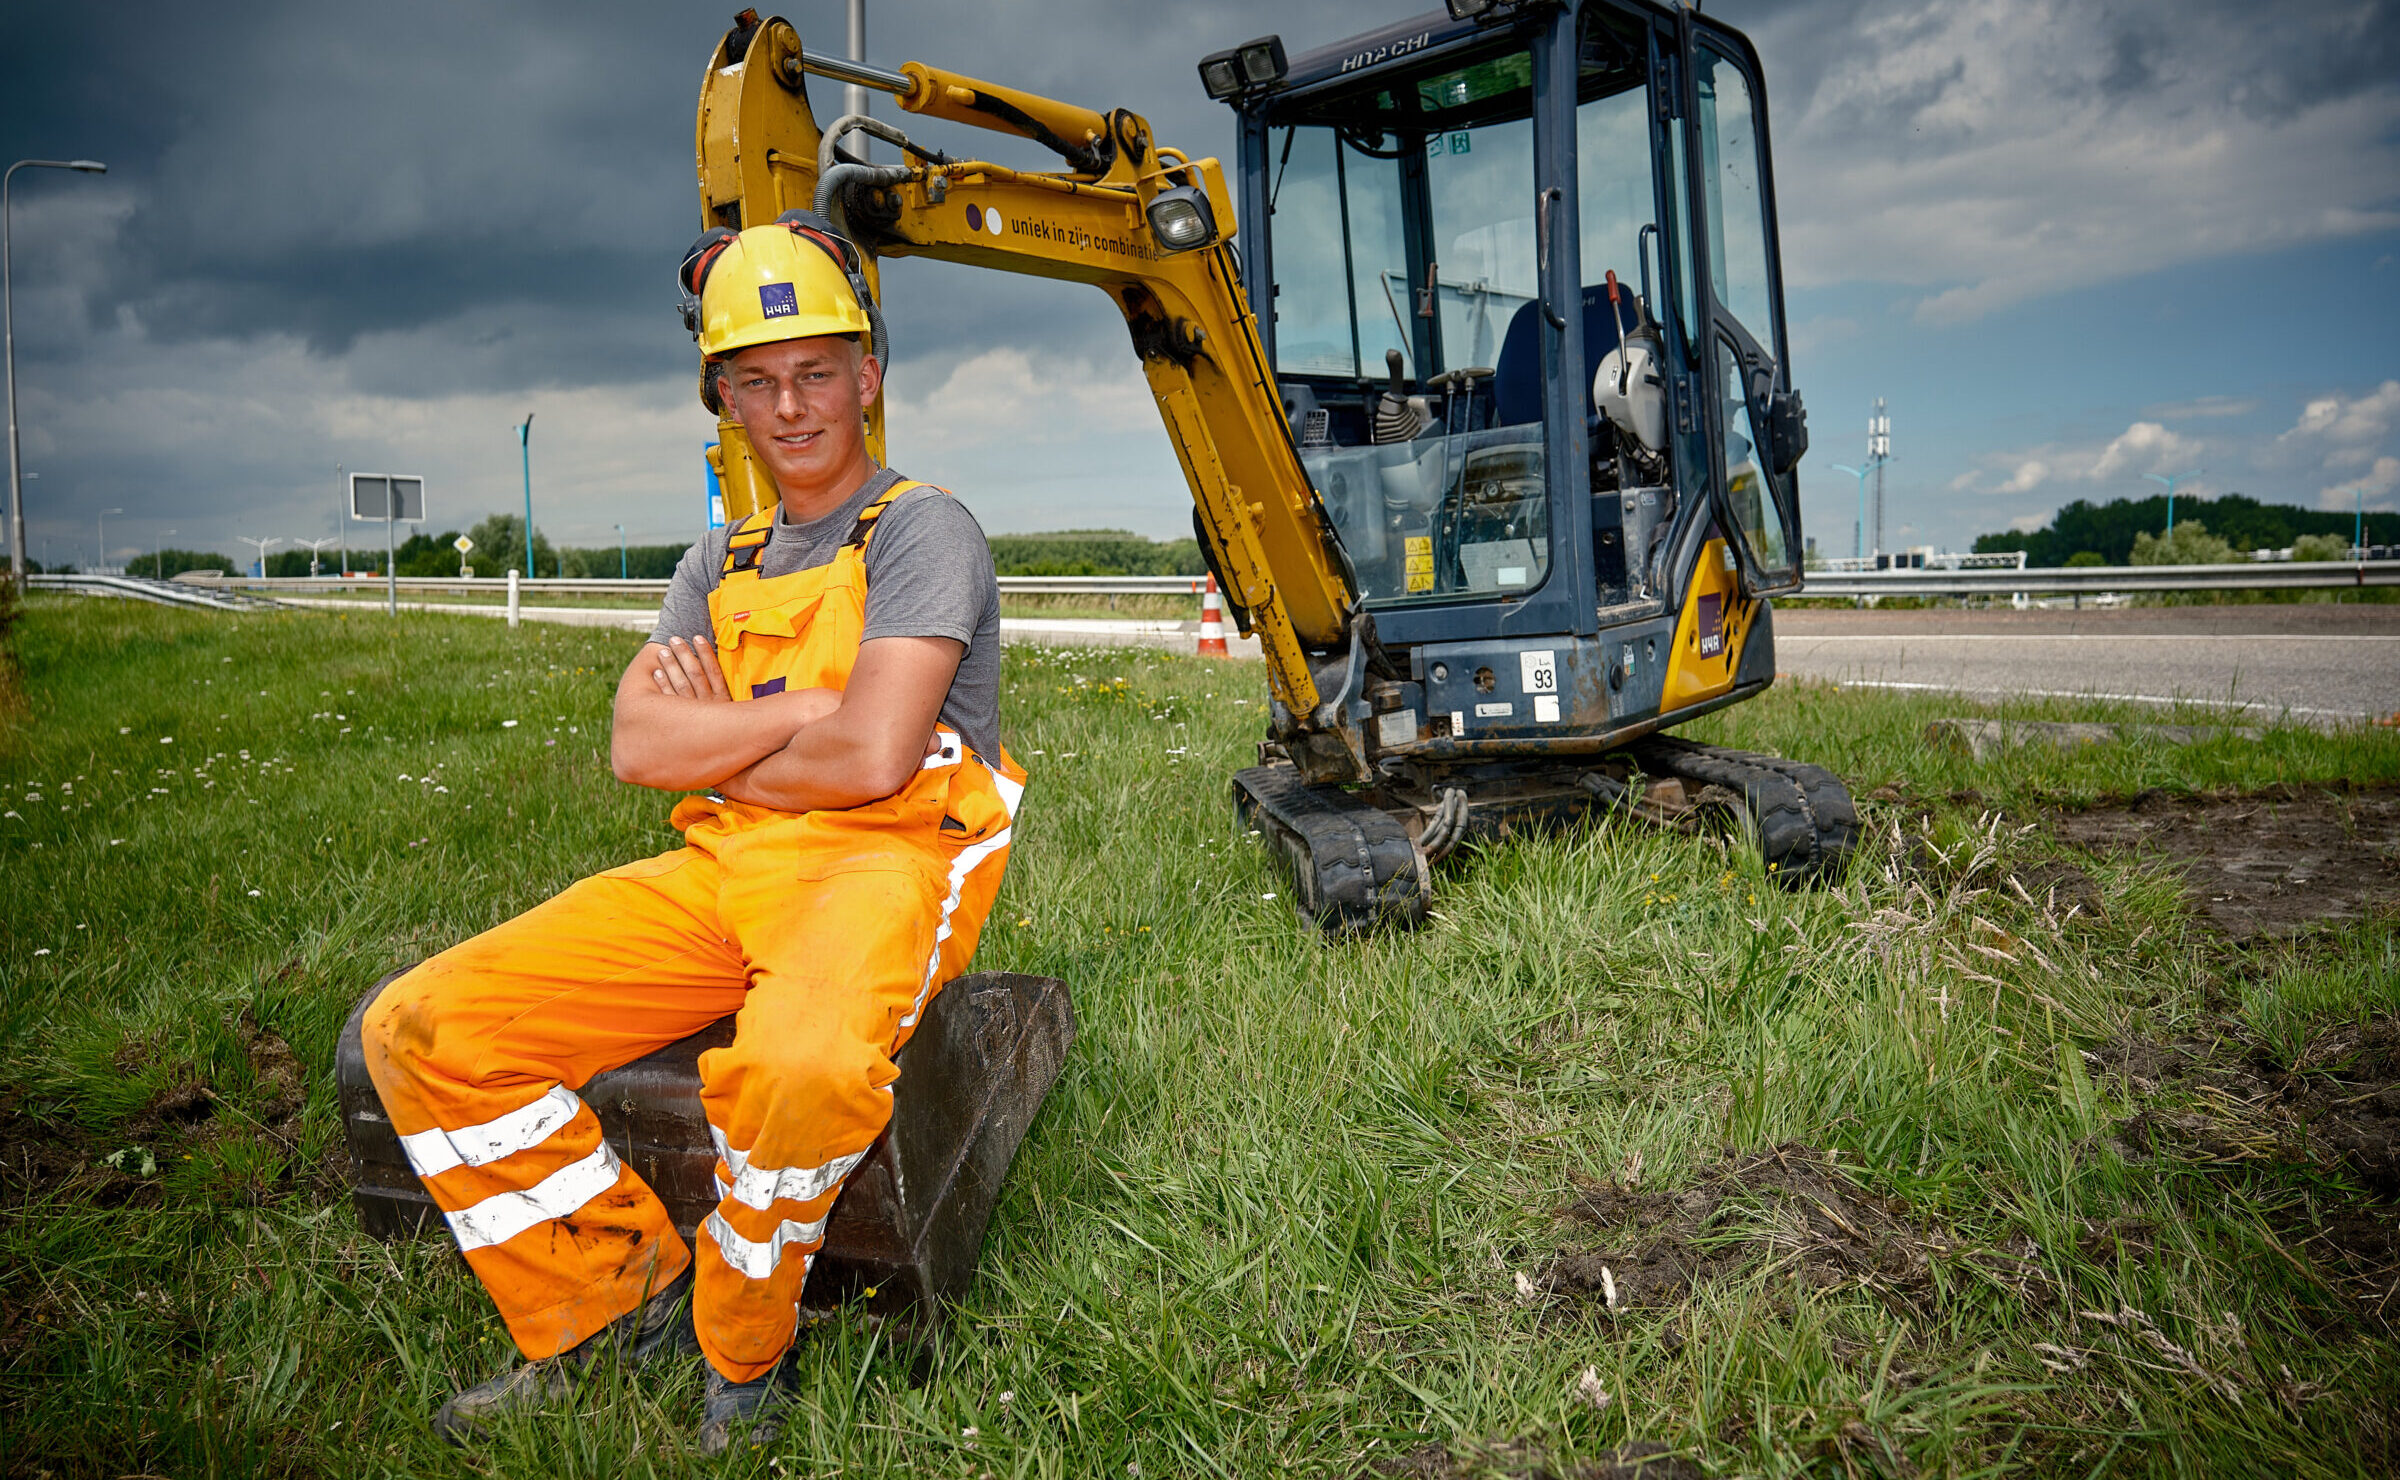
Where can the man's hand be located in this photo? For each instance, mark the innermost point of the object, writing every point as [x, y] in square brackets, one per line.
[687, 671]
[677, 728]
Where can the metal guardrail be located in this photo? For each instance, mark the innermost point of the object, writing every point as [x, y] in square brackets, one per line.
[2298, 575]
[2087, 580]
[210, 597]
[580, 586]
[494, 586]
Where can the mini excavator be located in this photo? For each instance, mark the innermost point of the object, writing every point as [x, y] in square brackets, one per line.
[1503, 479]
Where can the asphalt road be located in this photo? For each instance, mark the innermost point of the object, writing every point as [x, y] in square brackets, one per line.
[2324, 664]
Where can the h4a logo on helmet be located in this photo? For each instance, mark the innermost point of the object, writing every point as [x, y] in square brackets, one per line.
[777, 301]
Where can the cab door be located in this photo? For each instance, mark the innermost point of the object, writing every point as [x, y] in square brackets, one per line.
[1761, 430]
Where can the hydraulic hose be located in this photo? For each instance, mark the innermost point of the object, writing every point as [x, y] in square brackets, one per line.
[867, 123]
[829, 181]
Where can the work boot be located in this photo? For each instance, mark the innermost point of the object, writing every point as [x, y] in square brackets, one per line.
[661, 1328]
[750, 1411]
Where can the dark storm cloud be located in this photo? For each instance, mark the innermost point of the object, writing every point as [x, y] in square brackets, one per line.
[332, 172]
[328, 172]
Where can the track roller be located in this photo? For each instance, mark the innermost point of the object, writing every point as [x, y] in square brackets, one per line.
[1807, 824]
[1354, 867]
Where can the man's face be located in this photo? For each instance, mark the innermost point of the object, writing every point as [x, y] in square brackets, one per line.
[803, 402]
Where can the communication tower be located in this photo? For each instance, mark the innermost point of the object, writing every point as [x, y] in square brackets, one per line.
[1879, 452]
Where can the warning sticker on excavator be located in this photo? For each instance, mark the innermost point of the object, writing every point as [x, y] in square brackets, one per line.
[1419, 549]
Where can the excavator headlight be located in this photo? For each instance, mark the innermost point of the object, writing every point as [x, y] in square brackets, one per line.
[1182, 219]
[1468, 10]
[1227, 74]
[1221, 74]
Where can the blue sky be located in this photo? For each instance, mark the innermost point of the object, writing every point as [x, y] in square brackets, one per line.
[2069, 243]
[2223, 355]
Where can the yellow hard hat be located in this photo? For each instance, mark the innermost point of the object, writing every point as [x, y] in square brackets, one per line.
[783, 281]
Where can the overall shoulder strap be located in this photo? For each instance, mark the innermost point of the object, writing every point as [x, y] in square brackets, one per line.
[747, 545]
[864, 529]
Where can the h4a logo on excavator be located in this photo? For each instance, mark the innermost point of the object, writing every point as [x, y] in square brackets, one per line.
[1712, 623]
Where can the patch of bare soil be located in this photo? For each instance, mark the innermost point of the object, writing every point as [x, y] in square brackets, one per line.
[1791, 1210]
[2218, 1099]
[42, 1157]
[1637, 1461]
[2261, 863]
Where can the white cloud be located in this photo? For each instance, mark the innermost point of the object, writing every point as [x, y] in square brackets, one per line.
[2346, 424]
[2346, 440]
[1035, 440]
[2028, 523]
[2030, 474]
[1993, 151]
[2144, 447]
[2378, 483]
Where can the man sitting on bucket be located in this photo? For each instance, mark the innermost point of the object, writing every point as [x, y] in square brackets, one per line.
[828, 671]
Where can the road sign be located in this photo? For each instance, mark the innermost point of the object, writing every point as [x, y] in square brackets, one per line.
[373, 495]
[462, 544]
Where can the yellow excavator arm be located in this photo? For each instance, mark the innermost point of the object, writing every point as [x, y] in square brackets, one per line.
[761, 152]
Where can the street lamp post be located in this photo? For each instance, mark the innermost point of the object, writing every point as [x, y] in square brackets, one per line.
[1858, 531]
[2171, 479]
[525, 452]
[262, 546]
[313, 547]
[8, 332]
[621, 567]
[162, 552]
[102, 563]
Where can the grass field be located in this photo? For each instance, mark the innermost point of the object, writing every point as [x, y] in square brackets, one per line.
[1897, 1178]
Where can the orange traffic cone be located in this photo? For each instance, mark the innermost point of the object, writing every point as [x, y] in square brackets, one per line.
[1212, 623]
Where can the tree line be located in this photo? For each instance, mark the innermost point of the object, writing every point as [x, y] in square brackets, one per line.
[1094, 552]
[2085, 533]
[500, 548]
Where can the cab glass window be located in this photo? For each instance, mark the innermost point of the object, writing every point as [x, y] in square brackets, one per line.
[1480, 185]
[1734, 201]
[1754, 491]
[1339, 249]
[1314, 332]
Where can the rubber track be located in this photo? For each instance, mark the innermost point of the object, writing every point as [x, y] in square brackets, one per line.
[1807, 824]
[1357, 869]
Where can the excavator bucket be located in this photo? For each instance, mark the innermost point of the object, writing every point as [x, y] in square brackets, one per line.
[908, 1226]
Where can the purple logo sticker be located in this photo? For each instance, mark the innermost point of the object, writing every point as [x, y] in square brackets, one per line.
[777, 300]
[1712, 625]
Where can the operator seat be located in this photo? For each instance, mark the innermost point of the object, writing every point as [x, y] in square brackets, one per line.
[1517, 379]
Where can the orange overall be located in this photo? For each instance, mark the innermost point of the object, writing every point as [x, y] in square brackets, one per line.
[824, 932]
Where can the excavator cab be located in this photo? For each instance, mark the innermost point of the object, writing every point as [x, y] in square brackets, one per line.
[1421, 202]
[1516, 273]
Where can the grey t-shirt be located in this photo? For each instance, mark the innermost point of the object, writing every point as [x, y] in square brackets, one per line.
[929, 574]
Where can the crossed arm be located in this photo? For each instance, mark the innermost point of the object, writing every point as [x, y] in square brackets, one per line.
[678, 728]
